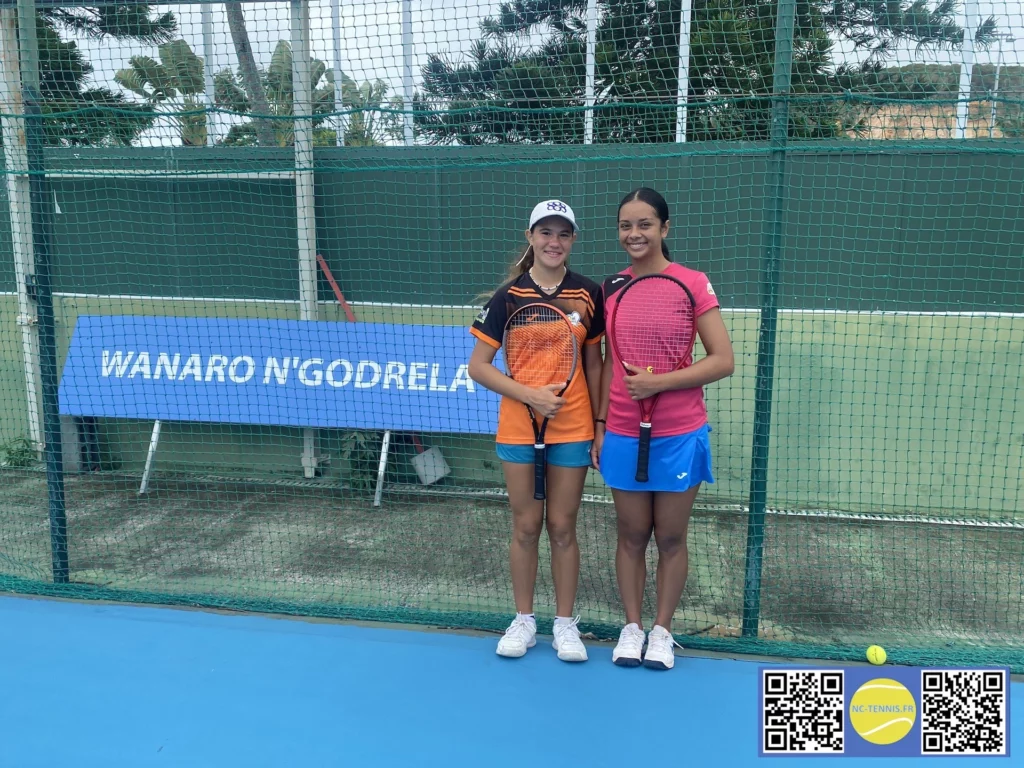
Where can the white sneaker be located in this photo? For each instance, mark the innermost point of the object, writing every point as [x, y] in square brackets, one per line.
[521, 635]
[659, 649]
[629, 650]
[567, 641]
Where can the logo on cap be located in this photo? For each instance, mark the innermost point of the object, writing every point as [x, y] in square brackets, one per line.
[556, 206]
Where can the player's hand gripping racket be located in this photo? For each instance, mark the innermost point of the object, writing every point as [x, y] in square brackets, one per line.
[653, 326]
[540, 349]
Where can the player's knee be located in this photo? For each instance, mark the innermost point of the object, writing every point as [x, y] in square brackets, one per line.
[527, 532]
[670, 544]
[562, 534]
[634, 540]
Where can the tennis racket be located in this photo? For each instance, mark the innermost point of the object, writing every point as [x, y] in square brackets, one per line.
[540, 349]
[653, 326]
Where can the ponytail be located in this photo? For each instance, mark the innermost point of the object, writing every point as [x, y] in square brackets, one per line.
[522, 265]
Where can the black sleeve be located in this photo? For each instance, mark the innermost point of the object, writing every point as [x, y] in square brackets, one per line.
[597, 327]
[490, 323]
[613, 284]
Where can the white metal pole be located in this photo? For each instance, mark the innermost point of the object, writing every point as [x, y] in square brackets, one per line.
[588, 119]
[966, 67]
[382, 467]
[16, 162]
[304, 200]
[407, 71]
[211, 118]
[340, 121]
[995, 85]
[683, 91]
[154, 440]
[995, 90]
[303, 127]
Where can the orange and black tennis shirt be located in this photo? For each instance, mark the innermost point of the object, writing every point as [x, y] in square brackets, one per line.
[580, 299]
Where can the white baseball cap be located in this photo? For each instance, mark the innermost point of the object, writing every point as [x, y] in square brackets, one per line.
[553, 208]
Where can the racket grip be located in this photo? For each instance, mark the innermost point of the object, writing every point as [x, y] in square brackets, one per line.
[539, 473]
[643, 453]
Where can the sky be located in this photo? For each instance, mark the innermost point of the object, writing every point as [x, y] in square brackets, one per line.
[372, 41]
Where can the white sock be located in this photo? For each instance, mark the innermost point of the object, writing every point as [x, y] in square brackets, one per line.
[563, 620]
[527, 617]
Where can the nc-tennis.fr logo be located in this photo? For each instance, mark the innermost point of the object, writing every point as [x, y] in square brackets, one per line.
[560, 207]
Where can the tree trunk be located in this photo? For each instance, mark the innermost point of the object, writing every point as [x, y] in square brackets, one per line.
[250, 74]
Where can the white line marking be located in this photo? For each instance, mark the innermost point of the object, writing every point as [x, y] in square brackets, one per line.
[477, 307]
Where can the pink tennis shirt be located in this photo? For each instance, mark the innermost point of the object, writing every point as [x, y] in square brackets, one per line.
[678, 411]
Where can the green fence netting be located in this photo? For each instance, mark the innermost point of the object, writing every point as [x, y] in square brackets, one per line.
[849, 175]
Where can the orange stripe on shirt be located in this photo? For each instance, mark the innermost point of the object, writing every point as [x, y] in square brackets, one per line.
[485, 338]
[579, 294]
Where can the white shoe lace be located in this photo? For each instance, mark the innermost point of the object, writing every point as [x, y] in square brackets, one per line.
[519, 631]
[569, 633]
[661, 642]
[631, 640]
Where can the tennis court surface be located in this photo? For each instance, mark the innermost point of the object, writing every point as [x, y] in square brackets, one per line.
[105, 685]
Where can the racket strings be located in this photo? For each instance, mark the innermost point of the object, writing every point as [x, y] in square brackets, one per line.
[654, 326]
[540, 348]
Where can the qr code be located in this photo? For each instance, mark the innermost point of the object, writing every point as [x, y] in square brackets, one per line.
[963, 712]
[802, 712]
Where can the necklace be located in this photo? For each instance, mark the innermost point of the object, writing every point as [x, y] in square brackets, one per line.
[549, 289]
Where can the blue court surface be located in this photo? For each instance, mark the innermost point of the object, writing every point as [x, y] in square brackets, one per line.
[103, 685]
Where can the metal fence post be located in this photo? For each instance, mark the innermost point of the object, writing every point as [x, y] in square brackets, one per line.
[20, 210]
[775, 204]
[41, 197]
[305, 203]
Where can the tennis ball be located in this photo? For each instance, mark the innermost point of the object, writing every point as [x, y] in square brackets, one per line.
[882, 711]
[876, 654]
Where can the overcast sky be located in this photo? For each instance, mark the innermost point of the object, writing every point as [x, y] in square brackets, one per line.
[371, 36]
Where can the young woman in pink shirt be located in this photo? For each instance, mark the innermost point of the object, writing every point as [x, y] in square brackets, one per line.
[680, 455]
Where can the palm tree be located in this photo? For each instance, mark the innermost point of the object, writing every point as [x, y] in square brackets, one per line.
[78, 114]
[251, 81]
[367, 126]
[179, 72]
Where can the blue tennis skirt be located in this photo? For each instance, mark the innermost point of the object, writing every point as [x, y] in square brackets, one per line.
[677, 463]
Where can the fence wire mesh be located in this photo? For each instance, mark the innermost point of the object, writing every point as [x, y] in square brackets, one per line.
[199, 158]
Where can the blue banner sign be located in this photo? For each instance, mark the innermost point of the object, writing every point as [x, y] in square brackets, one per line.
[410, 378]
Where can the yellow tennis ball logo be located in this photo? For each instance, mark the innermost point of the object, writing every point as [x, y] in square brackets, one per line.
[882, 711]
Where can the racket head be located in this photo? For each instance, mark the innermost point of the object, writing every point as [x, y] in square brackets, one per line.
[540, 347]
[654, 324]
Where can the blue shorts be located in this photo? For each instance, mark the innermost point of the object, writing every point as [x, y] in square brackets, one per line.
[559, 454]
[677, 463]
